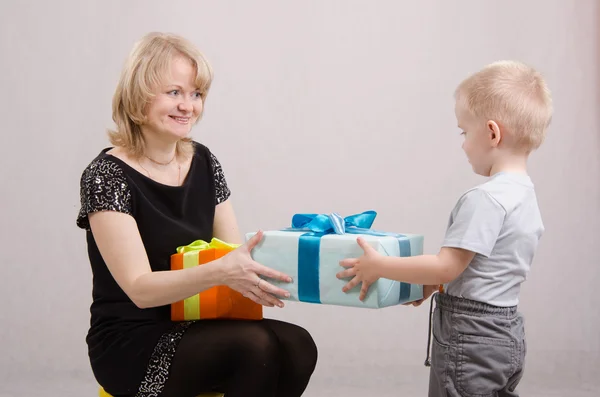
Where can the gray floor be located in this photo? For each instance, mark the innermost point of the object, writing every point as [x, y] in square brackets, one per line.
[414, 384]
[550, 374]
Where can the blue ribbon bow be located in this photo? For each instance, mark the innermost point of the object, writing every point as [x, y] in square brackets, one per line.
[332, 223]
[319, 225]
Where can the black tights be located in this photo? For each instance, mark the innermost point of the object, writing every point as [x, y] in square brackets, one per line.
[267, 358]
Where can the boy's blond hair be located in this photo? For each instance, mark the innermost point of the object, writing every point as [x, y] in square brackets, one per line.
[147, 64]
[515, 96]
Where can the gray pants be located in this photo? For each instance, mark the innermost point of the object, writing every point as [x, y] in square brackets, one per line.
[477, 349]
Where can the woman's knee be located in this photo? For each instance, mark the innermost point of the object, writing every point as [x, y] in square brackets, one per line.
[275, 342]
[258, 345]
[298, 345]
[307, 351]
[298, 358]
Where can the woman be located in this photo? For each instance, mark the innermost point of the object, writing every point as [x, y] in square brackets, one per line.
[153, 191]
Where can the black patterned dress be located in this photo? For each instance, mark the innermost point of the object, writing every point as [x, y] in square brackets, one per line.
[131, 349]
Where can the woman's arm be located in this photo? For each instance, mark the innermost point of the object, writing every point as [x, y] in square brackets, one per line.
[118, 240]
[225, 225]
[121, 247]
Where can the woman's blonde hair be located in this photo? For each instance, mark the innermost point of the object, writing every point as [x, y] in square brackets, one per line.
[515, 96]
[148, 62]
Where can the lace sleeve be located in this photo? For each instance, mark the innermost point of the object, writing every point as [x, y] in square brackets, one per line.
[222, 191]
[103, 187]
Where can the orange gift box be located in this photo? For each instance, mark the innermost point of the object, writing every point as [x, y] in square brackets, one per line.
[216, 302]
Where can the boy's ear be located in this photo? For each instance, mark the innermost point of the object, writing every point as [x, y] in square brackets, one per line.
[494, 133]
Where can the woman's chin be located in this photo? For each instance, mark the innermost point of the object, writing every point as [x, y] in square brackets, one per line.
[179, 134]
[169, 134]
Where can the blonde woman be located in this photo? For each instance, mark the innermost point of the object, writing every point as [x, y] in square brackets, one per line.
[156, 189]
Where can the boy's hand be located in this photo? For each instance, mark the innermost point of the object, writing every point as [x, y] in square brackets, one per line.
[428, 290]
[363, 269]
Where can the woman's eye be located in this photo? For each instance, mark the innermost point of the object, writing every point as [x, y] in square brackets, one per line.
[173, 92]
[198, 94]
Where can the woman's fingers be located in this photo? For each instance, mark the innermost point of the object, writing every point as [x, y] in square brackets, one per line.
[265, 296]
[269, 288]
[271, 273]
[248, 270]
[257, 299]
[263, 293]
[251, 243]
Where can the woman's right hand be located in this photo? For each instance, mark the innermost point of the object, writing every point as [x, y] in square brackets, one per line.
[242, 274]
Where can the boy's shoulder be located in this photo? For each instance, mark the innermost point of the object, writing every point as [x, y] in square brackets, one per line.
[478, 199]
[507, 190]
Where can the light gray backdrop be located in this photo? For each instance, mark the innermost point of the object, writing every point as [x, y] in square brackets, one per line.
[316, 106]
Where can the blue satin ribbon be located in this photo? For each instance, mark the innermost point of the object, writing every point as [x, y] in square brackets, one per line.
[319, 225]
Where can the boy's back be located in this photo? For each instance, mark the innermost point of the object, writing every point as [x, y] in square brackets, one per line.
[500, 221]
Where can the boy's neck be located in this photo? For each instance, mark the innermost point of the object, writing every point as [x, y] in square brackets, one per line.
[513, 163]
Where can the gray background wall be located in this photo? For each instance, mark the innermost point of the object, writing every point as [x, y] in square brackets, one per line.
[317, 106]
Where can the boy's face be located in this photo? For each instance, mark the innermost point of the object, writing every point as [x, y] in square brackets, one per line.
[476, 145]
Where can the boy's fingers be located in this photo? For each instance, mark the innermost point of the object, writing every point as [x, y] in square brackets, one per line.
[363, 244]
[353, 283]
[414, 303]
[348, 262]
[346, 273]
[363, 290]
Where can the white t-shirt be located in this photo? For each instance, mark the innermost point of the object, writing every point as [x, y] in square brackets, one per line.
[500, 221]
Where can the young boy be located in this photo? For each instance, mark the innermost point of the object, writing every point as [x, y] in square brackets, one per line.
[479, 346]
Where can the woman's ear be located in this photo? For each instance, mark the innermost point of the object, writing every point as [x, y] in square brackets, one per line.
[494, 133]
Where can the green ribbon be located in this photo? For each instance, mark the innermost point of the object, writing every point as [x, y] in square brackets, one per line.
[200, 245]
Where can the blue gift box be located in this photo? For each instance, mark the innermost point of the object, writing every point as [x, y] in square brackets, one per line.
[310, 252]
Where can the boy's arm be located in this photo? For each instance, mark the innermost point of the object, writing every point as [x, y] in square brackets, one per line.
[444, 267]
[476, 224]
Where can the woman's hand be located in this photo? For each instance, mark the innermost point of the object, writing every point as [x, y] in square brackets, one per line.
[242, 274]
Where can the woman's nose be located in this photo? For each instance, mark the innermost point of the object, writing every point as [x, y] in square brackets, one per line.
[185, 106]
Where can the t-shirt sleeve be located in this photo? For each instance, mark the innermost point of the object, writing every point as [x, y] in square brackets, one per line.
[475, 223]
[222, 191]
[103, 187]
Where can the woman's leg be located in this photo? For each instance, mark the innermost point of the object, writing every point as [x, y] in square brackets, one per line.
[240, 358]
[298, 357]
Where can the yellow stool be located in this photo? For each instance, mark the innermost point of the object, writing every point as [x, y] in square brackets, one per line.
[102, 393]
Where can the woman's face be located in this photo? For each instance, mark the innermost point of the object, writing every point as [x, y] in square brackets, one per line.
[177, 104]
